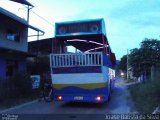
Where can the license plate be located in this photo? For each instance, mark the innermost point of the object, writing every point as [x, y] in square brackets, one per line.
[78, 98]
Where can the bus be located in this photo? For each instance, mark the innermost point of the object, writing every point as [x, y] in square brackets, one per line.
[87, 75]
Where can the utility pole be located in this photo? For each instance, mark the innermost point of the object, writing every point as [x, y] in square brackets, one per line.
[28, 9]
[28, 12]
[127, 65]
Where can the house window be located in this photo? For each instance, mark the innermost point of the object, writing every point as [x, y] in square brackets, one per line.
[13, 36]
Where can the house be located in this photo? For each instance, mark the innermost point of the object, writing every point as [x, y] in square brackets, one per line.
[13, 43]
[45, 46]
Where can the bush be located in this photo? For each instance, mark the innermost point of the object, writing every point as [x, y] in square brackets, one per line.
[146, 96]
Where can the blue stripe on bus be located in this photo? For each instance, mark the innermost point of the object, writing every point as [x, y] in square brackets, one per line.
[78, 69]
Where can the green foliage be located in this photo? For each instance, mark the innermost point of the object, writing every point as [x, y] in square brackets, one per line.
[141, 60]
[135, 61]
[123, 63]
[146, 96]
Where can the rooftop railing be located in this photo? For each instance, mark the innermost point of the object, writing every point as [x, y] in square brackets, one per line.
[76, 59]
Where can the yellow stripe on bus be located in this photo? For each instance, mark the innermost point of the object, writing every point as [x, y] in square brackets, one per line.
[85, 86]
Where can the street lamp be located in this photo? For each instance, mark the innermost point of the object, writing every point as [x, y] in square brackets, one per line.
[122, 74]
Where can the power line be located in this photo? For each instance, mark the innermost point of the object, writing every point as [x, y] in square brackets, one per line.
[42, 18]
[39, 16]
[35, 14]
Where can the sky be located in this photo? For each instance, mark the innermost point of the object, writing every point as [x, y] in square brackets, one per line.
[128, 22]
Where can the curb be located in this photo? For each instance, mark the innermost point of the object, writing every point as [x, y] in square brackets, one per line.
[18, 106]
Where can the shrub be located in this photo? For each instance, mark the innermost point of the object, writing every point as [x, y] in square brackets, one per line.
[146, 96]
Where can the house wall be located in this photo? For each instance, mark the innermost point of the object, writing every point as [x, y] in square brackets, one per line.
[45, 46]
[9, 24]
[2, 68]
[22, 65]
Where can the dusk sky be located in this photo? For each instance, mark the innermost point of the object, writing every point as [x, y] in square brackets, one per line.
[128, 22]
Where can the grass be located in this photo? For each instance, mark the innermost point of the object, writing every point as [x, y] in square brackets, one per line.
[130, 80]
[146, 95]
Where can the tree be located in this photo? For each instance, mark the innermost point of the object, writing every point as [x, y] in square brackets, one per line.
[135, 59]
[123, 64]
[141, 60]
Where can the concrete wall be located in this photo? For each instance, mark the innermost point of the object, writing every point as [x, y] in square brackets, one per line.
[5, 24]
